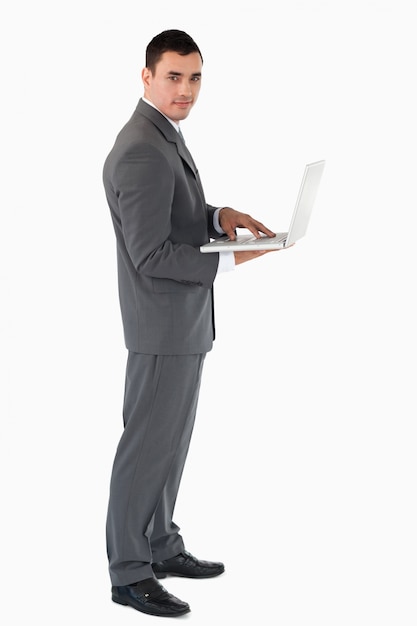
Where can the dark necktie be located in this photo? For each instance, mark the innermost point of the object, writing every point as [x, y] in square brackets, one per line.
[189, 157]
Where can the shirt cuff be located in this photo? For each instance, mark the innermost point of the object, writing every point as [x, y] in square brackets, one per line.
[216, 222]
[226, 259]
[226, 262]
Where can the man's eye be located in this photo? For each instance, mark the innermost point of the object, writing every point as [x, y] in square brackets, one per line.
[195, 79]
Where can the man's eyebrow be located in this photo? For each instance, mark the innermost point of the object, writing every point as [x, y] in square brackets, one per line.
[172, 73]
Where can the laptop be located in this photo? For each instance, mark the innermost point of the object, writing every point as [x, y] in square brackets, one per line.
[299, 221]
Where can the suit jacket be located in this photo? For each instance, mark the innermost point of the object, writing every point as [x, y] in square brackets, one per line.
[160, 218]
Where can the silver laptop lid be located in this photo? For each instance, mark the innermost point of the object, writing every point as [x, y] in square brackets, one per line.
[305, 201]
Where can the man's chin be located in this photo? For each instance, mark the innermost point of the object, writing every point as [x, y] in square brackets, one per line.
[182, 112]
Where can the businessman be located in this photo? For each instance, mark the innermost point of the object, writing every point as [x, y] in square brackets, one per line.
[161, 218]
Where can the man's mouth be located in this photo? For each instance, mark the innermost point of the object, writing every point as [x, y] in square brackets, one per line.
[183, 104]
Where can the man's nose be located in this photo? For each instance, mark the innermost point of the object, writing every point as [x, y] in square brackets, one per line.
[185, 88]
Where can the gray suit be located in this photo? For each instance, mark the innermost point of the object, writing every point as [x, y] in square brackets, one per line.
[160, 218]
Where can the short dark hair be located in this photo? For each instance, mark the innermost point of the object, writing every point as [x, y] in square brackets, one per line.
[169, 41]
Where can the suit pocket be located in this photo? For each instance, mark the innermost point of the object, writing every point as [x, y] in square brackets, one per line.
[166, 285]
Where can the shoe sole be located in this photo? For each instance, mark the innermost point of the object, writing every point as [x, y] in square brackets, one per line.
[142, 609]
[160, 575]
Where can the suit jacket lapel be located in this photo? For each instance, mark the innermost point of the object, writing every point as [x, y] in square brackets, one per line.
[185, 153]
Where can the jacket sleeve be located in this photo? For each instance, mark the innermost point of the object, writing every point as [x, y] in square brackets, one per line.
[145, 204]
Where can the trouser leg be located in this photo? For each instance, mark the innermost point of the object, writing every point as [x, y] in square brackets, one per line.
[159, 410]
[164, 535]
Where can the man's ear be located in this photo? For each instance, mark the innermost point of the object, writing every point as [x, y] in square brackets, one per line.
[146, 75]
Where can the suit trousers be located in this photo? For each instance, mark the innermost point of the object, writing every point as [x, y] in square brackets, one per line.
[160, 403]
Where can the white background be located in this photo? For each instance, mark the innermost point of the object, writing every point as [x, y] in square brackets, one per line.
[302, 471]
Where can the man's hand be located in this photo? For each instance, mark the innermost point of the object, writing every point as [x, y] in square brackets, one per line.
[230, 220]
[248, 255]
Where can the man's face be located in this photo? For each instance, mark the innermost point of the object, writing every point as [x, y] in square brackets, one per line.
[175, 86]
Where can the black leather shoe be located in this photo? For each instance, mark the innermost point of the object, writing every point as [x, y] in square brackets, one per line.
[149, 596]
[185, 564]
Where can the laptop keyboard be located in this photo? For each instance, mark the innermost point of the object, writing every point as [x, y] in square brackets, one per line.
[278, 237]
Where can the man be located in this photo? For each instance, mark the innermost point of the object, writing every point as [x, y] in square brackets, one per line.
[160, 219]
